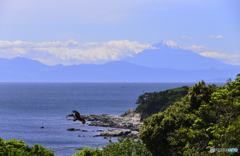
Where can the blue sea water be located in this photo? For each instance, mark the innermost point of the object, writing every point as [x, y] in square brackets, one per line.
[25, 107]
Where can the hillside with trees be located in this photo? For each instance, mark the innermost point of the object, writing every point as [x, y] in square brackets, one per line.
[208, 117]
[155, 102]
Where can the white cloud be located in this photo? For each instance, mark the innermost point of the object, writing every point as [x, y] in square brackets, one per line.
[71, 52]
[196, 48]
[218, 55]
[184, 37]
[226, 58]
[208, 52]
[219, 36]
[30, 44]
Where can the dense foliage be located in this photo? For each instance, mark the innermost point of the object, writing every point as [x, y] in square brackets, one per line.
[89, 152]
[208, 116]
[15, 147]
[124, 147]
[152, 103]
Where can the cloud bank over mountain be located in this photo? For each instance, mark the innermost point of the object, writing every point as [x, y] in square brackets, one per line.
[73, 52]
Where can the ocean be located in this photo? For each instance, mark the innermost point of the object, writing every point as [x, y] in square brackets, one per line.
[25, 107]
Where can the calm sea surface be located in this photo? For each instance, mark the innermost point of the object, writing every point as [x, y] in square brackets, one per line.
[25, 107]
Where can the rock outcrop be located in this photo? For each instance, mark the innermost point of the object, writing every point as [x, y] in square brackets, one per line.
[131, 113]
[120, 133]
[128, 120]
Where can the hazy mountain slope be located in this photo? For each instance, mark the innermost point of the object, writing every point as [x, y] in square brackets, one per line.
[24, 66]
[172, 56]
[120, 71]
[25, 70]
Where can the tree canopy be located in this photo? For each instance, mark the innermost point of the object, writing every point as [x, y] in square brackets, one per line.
[124, 147]
[20, 148]
[208, 116]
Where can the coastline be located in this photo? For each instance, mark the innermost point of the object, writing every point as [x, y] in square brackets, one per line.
[129, 123]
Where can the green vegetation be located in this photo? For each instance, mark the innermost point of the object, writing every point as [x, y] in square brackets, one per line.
[89, 152]
[208, 116]
[124, 147]
[155, 102]
[15, 147]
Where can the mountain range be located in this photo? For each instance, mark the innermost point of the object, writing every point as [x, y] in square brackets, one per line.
[167, 63]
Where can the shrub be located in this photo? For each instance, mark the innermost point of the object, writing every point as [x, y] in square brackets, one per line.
[124, 147]
[89, 152]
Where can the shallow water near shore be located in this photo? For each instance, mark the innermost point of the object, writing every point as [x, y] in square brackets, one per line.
[25, 107]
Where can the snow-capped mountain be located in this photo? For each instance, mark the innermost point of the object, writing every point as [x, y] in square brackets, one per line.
[169, 54]
[167, 44]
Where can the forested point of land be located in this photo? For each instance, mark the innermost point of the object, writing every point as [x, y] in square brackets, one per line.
[154, 102]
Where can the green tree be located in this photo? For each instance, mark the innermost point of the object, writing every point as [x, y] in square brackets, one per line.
[89, 152]
[124, 147]
[207, 117]
[15, 147]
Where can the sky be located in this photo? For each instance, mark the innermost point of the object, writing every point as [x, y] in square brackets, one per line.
[97, 31]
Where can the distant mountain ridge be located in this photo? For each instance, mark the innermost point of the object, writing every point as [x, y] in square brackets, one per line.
[24, 66]
[26, 70]
[169, 54]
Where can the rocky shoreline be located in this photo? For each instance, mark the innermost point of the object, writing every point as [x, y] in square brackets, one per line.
[129, 122]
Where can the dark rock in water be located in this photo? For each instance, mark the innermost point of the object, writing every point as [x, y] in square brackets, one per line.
[135, 129]
[120, 133]
[83, 130]
[79, 149]
[42, 127]
[71, 129]
[99, 130]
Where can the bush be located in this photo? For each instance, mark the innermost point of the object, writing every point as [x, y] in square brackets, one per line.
[15, 147]
[124, 147]
[89, 152]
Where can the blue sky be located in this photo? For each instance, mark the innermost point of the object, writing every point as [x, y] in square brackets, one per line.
[98, 31]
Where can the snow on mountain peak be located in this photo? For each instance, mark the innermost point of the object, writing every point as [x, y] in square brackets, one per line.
[167, 44]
